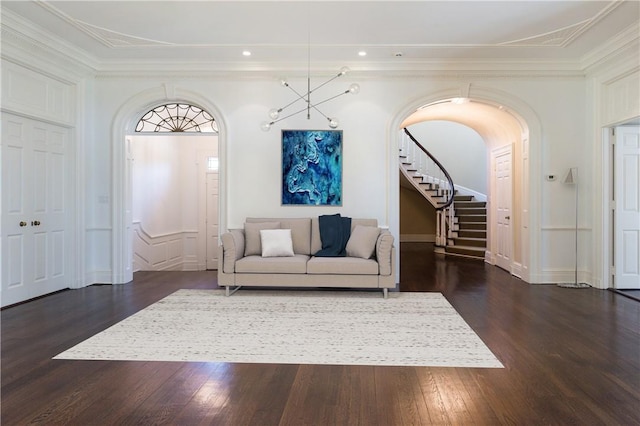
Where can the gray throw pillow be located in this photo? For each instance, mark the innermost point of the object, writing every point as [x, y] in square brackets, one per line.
[362, 242]
[252, 230]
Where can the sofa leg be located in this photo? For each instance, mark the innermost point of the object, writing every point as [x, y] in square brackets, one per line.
[229, 292]
[385, 292]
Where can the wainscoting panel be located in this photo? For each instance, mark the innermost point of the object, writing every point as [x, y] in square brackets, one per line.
[168, 252]
[621, 98]
[32, 93]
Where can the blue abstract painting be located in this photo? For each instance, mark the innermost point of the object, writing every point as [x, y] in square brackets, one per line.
[312, 167]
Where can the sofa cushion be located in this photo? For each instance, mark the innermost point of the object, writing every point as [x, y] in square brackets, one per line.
[252, 244]
[300, 231]
[273, 265]
[342, 266]
[362, 242]
[276, 242]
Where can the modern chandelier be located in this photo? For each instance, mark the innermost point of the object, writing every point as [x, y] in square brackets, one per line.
[274, 114]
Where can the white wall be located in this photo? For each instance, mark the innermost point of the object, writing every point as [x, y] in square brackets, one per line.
[460, 149]
[252, 164]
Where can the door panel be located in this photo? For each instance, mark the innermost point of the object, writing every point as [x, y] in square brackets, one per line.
[627, 208]
[503, 199]
[34, 200]
[212, 221]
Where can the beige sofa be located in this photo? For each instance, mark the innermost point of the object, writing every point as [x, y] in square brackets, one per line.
[242, 264]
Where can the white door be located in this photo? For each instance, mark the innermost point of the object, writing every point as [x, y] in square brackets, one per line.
[502, 206]
[35, 194]
[212, 221]
[627, 208]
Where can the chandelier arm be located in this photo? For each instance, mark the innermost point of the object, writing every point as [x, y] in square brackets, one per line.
[321, 113]
[330, 99]
[326, 82]
[290, 115]
[290, 103]
[300, 97]
[298, 94]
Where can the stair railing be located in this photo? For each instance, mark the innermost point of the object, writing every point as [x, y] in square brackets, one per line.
[433, 172]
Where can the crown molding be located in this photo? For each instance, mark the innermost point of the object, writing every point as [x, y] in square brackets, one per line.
[621, 44]
[430, 68]
[25, 42]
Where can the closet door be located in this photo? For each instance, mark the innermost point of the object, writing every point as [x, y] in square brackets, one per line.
[35, 183]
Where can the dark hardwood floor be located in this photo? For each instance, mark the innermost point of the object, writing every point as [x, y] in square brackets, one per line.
[571, 356]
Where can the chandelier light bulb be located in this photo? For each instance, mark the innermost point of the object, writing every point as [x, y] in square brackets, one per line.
[274, 113]
[265, 126]
[284, 83]
[333, 123]
[344, 70]
[354, 89]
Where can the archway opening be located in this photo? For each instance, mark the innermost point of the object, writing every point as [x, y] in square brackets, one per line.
[174, 189]
[124, 126]
[504, 188]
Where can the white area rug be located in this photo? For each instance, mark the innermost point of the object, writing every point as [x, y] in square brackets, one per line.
[293, 327]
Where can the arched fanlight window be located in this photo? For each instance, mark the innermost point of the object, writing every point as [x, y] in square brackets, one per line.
[177, 118]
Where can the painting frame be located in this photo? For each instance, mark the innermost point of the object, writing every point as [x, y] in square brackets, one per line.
[311, 167]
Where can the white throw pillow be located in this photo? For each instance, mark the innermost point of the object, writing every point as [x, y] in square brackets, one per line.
[362, 242]
[276, 243]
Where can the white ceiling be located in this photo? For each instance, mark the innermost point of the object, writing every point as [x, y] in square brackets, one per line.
[284, 33]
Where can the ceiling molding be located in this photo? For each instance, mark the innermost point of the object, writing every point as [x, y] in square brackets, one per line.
[597, 18]
[553, 38]
[614, 47]
[164, 72]
[30, 37]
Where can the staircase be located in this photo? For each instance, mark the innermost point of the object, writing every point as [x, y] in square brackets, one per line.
[469, 235]
[461, 227]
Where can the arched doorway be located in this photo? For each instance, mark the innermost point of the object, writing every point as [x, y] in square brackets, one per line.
[174, 178]
[124, 124]
[502, 120]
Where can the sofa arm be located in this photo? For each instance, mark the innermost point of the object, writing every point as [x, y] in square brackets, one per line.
[384, 244]
[232, 249]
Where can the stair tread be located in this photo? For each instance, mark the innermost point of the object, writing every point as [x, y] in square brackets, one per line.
[469, 248]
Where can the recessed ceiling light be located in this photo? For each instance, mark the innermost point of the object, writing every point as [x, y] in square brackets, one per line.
[362, 53]
[246, 53]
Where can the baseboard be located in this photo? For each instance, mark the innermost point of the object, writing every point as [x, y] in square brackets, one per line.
[557, 276]
[98, 277]
[417, 238]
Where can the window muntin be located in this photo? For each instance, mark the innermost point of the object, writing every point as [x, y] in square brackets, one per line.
[176, 117]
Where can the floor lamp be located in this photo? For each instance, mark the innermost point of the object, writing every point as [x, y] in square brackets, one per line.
[572, 179]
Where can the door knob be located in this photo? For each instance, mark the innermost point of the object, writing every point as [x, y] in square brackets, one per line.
[35, 223]
[23, 223]
[507, 217]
